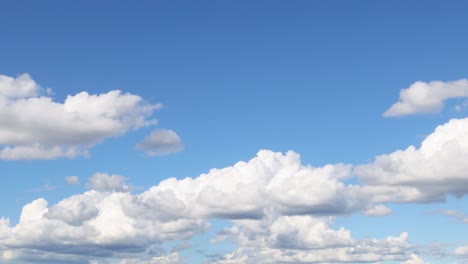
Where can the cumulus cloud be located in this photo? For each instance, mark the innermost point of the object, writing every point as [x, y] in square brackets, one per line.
[415, 259]
[280, 209]
[272, 196]
[34, 126]
[89, 226]
[426, 174]
[173, 258]
[104, 182]
[271, 180]
[20, 87]
[161, 142]
[378, 210]
[72, 180]
[427, 97]
[306, 239]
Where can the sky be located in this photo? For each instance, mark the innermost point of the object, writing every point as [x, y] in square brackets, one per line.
[208, 131]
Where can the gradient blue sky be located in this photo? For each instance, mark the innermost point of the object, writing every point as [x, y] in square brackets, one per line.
[235, 77]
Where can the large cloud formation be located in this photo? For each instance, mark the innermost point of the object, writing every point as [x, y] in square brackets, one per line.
[34, 126]
[278, 208]
[427, 97]
[426, 174]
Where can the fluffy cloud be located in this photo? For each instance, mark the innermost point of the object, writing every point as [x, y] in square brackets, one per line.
[161, 142]
[103, 182]
[37, 127]
[306, 239]
[426, 174]
[378, 210]
[278, 208]
[72, 180]
[173, 258]
[19, 87]
[415, 259]
[270, 181]
[423, 97]
[92, 225]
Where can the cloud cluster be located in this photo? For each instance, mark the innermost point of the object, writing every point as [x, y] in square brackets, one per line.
[276, 205]
[34, 126]
[306, 239]
[280, 209]
[427, 97]
[93, 225]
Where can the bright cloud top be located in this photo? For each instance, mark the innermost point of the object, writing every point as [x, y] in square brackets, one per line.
[37, 127]
[427, 97]
[280, 209]
[276, 205]
[426, 174]
[161, 142]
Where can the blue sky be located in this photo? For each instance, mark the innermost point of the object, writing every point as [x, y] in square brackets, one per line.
[225, 80]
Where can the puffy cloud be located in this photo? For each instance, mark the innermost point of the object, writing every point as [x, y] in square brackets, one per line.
[37, 127]
[378, 210]
[415, 259]
[279, 208]
[72, 180]
[306, 239]
[109, 221]
[161, 142]
[19, 87]
[90, 226]
[173, 258]
[270, 181]
[427, 97]
[425, 174]
[103, 182]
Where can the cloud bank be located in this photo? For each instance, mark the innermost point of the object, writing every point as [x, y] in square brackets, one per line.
[280, 209]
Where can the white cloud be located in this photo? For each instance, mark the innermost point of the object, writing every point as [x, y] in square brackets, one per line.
[378, 210]
[20, 87]
[37, 127]
[161, 142]
[279, 208]
[306, 239]
[90, 226]
[415, 259]
[108, 217]
[426, 174]
[427, 97]
[103, 182]
[173, 258]
[270, 181]
[461, 252]
[72, 180]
